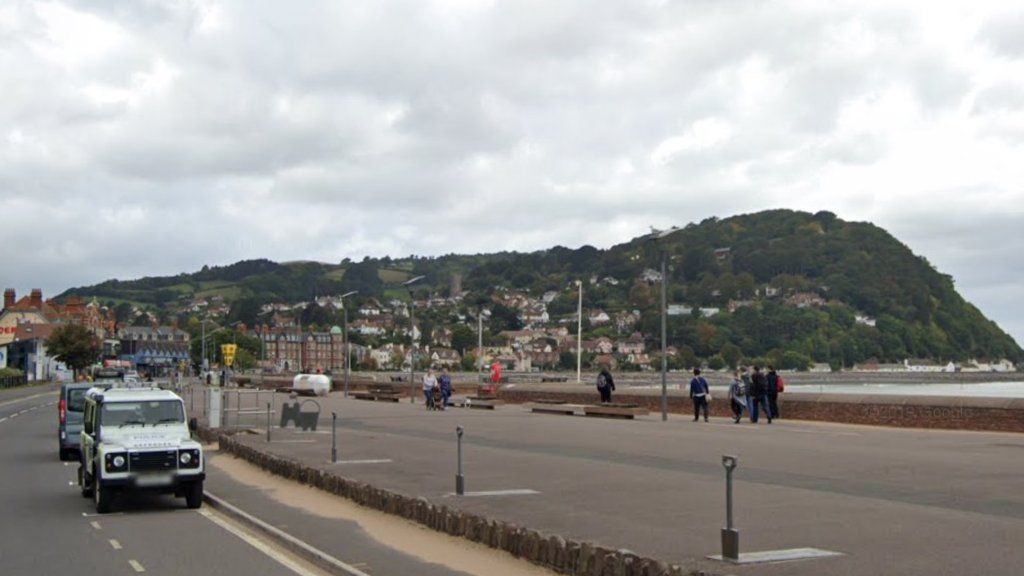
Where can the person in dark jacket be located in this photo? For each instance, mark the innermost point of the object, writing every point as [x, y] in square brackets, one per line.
[699, 394]
[748, 386]
[605, 384]
[759, 395]
[445, 382]
[772, 393]
[737, 397]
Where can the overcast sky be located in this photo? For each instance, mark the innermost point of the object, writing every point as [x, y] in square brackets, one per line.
[152, 137]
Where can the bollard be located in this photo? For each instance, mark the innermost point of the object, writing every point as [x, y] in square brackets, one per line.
[730, 536]
[238, 408]
[460, 480]
[268, 422]
[334, 438]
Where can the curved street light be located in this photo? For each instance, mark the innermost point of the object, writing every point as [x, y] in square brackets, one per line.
[654, 236]
[344, 335]
[412, 338]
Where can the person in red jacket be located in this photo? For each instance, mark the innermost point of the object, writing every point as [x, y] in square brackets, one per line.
[495, 378]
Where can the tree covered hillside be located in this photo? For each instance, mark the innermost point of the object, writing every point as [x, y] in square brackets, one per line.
[780, 286]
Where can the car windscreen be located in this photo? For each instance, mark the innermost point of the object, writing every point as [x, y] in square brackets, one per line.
[143, 413]
[76, 399]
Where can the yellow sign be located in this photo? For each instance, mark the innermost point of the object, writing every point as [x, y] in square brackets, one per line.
[228, 352]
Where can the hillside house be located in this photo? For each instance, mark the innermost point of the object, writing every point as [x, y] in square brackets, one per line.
[632, 345]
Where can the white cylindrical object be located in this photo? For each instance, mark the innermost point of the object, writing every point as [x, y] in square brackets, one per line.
[213, 408]
[318, 384]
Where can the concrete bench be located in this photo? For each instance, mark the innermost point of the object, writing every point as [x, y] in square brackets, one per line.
[479, 402]
[381, 393]
[555, 408]
[626, 411]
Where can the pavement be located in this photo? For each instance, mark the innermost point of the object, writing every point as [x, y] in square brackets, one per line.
[891, 501]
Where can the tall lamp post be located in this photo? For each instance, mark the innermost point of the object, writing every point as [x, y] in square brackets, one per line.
[412, 338]
[655, 236]
[579, 335]
[344, 335]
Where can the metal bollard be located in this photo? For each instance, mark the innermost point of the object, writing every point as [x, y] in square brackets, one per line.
[730, 536]
[268, 422]
[460, 480]
[334, 438]
[238, 408]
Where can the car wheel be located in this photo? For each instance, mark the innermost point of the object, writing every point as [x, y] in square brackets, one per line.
[64, 456]
[84, 482]
[103, 496]
[194, 495]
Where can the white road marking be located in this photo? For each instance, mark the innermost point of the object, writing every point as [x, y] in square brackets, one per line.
[4, 418]
[15, 415]
[70, 483]
[257, 544]
[115, 544]
[15, 401]
[514, 492]
[95, 525]
[136, 566]
[87, 515]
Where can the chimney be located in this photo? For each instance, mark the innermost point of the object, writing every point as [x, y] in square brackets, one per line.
[8, 297]
[36, 299]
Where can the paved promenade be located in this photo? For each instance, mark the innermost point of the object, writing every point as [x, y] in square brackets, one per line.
[893, 501]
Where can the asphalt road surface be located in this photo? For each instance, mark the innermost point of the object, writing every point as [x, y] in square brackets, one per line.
[49, 528]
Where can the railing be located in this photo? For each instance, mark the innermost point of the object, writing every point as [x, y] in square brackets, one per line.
[13, 381]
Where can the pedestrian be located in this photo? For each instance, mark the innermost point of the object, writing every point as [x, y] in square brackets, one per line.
[429, 383]
[773, 389]
[737, 397]
[699, 393]
[605, 384]
[746, 389]
[445, 382]
[759, 395]
[495, 379]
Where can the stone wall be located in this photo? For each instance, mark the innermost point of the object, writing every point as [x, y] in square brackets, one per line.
[562, 555]
[985, 414]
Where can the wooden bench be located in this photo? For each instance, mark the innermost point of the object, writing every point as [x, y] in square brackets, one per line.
[626, 411]
[379, 393]
[542, 407]
[481, 402]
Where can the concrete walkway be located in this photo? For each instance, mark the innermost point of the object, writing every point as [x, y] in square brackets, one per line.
[892, 501]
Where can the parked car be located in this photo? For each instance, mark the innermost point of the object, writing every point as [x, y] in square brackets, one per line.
[69, 414]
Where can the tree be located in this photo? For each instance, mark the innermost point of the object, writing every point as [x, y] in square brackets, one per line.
[74, 345]
[463, 338]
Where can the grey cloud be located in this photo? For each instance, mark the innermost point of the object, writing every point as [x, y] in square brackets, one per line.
[329, 130]
[1005, 33]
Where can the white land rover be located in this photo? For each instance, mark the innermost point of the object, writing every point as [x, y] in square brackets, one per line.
[137, 439]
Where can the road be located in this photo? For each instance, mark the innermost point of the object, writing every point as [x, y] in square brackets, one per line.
[48, 528]
[896, 501]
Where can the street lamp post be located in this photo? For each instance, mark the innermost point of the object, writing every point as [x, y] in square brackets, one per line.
[658, 235]
[412, 338]
[344, 335]
[579, 335]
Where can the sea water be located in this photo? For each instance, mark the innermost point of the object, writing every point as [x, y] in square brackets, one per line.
[973, 390]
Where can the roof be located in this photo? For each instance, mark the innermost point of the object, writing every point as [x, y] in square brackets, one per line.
[32, 331]
[133, 394]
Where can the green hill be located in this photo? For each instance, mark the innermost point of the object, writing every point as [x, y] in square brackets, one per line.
[802, 287]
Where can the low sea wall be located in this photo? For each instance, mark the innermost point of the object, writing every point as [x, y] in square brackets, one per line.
[984, 414]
